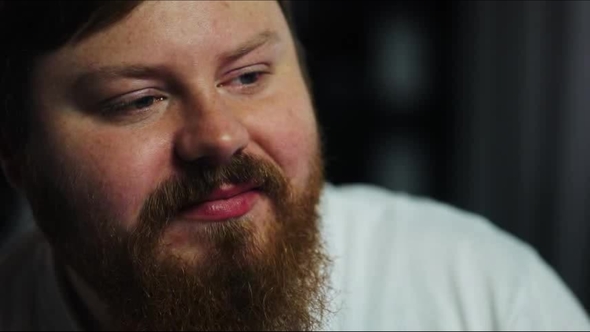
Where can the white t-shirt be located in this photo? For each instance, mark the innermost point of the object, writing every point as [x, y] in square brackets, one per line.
[400, 263]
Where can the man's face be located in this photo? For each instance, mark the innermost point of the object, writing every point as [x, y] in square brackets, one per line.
[188, 123]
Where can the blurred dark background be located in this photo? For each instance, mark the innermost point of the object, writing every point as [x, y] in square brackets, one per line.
[483, 105]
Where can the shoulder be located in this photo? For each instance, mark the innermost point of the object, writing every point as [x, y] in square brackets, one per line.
[412, 221]
[25, 278]
[21, 253]
[422, 258]
[381, 222]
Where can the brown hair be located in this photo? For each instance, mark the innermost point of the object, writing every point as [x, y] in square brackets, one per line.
[29, 29]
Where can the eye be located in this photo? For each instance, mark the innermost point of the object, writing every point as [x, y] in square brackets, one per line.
[245, 80]
[132, 105]
[249, 78]
[144, 102]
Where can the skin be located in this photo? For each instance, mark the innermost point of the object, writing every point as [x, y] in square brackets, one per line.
[202, 104]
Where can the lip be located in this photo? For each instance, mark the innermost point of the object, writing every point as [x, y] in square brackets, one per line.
[228, 201]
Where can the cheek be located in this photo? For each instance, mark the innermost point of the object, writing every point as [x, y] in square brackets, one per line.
[290, 139]
[119, 170]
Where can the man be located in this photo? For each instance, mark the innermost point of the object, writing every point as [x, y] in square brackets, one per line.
[171, 157]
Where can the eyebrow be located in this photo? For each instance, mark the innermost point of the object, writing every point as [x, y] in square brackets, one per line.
[113, 72]
[143, 71]
[261, 39]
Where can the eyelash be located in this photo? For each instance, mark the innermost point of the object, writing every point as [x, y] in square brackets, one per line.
[247, 87]
[128, 105]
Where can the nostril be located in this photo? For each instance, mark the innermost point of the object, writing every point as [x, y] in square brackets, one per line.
[211, 130]
[212, 143]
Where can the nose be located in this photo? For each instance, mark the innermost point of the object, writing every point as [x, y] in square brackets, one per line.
[212, 133]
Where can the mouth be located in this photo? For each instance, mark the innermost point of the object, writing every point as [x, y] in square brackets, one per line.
[226, 202]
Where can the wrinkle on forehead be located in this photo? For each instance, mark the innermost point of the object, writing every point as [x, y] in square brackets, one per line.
[162, 29]
[185, 34]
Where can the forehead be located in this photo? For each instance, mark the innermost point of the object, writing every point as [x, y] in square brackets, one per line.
[163, 29]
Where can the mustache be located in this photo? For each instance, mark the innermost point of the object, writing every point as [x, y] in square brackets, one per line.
[197, 181]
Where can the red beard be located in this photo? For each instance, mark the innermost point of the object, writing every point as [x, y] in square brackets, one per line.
[240, 283]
